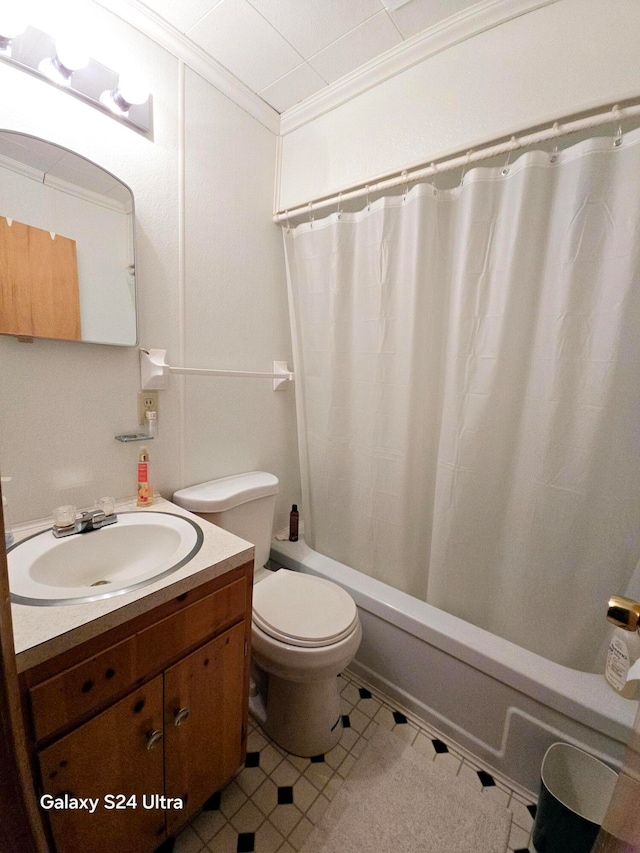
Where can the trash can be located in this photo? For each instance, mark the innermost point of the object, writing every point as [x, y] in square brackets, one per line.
[575, 791]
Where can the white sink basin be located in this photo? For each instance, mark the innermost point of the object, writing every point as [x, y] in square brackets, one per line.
[141, 547]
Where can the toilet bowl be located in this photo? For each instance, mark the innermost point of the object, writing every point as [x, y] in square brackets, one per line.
[305, 630]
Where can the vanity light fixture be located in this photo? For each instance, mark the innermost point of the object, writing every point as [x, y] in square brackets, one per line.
[65, 64]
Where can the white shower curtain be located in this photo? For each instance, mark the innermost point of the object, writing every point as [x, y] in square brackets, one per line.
[468, 381]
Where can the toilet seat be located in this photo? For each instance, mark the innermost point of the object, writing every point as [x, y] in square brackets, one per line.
[302, 610]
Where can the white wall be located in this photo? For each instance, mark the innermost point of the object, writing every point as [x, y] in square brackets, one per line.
[211, 287]
[236, 306]
[549, 63]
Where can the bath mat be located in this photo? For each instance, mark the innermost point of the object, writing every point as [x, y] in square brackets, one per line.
[396, 800]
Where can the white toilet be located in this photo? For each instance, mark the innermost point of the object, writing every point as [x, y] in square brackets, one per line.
[305, 630]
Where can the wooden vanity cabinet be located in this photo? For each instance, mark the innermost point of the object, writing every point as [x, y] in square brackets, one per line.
[146, 714]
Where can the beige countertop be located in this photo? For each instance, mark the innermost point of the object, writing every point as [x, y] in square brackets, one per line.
[42, 632]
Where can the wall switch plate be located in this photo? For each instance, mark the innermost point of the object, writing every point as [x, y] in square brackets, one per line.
[147, 402]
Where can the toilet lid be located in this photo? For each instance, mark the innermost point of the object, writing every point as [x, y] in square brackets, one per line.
[303, 610]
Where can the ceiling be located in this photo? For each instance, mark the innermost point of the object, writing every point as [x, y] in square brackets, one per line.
[288, 50]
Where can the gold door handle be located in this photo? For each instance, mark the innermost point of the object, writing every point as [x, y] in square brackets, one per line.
[180, 716]
[153, 738]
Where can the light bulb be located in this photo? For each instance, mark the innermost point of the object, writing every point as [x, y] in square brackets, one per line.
[129, 91]
[133, 89]
[71, 55]
[12, 23]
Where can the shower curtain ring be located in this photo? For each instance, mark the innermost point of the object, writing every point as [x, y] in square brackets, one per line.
[339, 211]
[311, 214]
[618, 140]
[466, 164]
[286, 218]
[554, 156]
[616, 114]
[406, 184]
[513, 144]
[368, 199]
[435, 172]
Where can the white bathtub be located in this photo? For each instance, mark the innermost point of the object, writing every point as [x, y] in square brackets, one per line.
[496, 700]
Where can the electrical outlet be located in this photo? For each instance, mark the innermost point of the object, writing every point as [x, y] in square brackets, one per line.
[147, 402]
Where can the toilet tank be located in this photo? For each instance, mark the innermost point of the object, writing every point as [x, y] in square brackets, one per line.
[242, 504]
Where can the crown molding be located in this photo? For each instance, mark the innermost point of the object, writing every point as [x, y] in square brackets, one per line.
[152, 25]
[459, 27]
[464, 25]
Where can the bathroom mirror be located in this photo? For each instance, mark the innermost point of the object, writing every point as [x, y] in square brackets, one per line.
[67, 247]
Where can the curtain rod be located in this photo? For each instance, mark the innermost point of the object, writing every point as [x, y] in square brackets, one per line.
[615, 114]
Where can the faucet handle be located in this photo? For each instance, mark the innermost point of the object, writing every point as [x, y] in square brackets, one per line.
[64, 516]
[107, 505]
[624, 612]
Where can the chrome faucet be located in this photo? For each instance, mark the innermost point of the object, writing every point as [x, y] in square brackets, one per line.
[92, 519]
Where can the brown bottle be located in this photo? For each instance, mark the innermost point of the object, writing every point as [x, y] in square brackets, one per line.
[293, 523]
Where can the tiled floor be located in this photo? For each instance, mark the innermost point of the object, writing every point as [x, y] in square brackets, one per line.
[276, 799]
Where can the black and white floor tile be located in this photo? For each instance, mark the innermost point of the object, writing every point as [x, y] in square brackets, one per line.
[274, 802]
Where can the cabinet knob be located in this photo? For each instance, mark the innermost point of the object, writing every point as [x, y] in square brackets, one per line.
[181, 716]
[153, 738]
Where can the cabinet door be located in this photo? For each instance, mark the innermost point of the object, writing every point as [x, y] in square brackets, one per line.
[109, 755]
[203, 722]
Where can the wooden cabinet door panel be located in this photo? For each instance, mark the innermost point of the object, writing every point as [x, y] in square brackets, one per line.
[78, 690]
[205, 749]
[109, 756]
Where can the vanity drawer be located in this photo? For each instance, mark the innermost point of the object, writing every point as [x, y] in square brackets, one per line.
[178, 633]
[77, 691]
